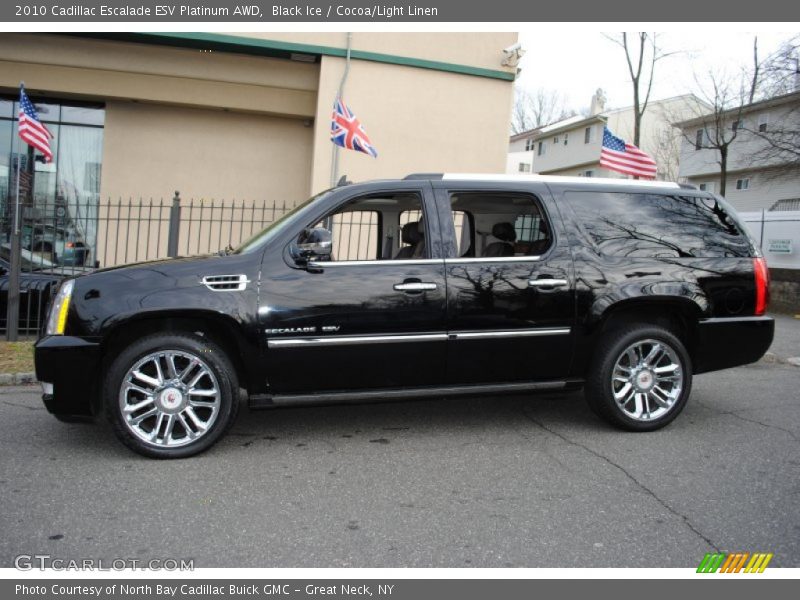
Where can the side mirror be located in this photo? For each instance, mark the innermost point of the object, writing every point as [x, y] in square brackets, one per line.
[315, 244]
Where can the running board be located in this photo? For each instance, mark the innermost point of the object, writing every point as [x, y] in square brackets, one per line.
[390, 394]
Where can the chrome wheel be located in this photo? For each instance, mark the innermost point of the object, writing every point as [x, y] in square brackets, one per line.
[169, 398]
[647, 380]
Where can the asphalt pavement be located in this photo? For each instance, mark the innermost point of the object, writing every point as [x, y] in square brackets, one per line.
[514, 481]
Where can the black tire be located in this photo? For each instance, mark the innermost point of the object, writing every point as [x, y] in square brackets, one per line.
[212, 357]
[599, 389]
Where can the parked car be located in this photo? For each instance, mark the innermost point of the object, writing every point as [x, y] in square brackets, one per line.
[430, 286]
[36, 288]
[56, 244]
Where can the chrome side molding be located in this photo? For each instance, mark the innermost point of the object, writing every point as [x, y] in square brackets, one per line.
[299, 342]
[513, 333]
[355, 339]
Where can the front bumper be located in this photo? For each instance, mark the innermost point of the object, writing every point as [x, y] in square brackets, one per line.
[729, 342]
[71, 365]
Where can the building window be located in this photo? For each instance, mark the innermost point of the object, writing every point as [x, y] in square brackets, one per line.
[737, 125]
[588, 135]
[529, 145]
[763, 120]
[555, 140]
[64, 192]
[698, 139]
[541, 149]
[566, 139]
[743, 184]
[524, 168]
[588, 173]
[708, 186]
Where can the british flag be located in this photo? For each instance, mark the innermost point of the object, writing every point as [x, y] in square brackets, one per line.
[347, 131]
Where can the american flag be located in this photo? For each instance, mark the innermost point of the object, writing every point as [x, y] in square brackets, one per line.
[31, 129]
[622, 157]
[347, 131]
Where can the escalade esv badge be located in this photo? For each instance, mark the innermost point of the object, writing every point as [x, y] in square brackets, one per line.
[445, 284]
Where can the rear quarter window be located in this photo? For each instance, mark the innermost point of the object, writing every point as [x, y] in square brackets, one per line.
[658, 226]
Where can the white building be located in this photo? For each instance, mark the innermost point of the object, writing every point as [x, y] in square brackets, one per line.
[572, 146]
[757, 178]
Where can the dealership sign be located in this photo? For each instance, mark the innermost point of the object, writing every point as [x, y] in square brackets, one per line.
[779, 246]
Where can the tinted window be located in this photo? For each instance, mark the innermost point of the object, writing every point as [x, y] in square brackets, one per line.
[378, 227]
[651, 225]
[491, 224]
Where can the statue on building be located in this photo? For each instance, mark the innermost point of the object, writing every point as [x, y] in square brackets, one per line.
[598, 102]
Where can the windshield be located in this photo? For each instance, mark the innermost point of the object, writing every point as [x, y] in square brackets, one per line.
[263, 236]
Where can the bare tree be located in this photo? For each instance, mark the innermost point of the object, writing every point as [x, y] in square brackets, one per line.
[727, 96]
[780, 137]
[756, 69]
[536, 108]
[779, 73]
[666, 152]
[721, 124]
[642, 52]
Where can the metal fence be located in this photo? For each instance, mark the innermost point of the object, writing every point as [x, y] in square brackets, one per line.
[778, 234]
[59, 239]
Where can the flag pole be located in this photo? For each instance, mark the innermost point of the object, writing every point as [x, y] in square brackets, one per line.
[19, 166]
[335, 157]
[12, 308]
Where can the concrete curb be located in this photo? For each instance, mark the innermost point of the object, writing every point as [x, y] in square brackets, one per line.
[771, 357]
[17, 378]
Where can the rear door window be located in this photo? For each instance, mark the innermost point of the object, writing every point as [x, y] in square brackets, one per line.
[499, 224]
[658, 226]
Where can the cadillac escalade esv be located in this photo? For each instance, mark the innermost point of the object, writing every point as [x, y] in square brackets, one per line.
[430, 286]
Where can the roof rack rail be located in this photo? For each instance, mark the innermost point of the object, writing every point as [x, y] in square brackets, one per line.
[423, 176]
[688, 186]
[562, 179]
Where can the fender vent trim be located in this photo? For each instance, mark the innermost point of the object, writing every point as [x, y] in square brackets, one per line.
[225, 283]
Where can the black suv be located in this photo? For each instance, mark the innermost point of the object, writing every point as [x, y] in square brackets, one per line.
[429, 286]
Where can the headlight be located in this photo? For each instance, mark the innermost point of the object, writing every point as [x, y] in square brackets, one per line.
[58, 310]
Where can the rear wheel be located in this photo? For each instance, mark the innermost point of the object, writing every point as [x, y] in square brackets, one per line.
[640, 378]
[171, 395]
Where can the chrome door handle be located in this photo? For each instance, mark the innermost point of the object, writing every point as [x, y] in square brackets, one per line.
[547, 283]
[417, 286]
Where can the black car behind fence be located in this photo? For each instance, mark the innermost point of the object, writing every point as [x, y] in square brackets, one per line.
[60, 240]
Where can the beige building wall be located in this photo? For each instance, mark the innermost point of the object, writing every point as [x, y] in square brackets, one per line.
[475, 49]
[151, 150]
[224, 125]
[418, 120]
[212, 158]
[109, 70]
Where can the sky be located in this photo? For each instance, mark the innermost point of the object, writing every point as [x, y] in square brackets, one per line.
[576, 63]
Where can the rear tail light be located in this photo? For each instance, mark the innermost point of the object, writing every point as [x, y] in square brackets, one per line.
[762, 285]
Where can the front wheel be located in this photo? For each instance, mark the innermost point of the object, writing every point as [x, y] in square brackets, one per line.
[640, 378]
[171, 395]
